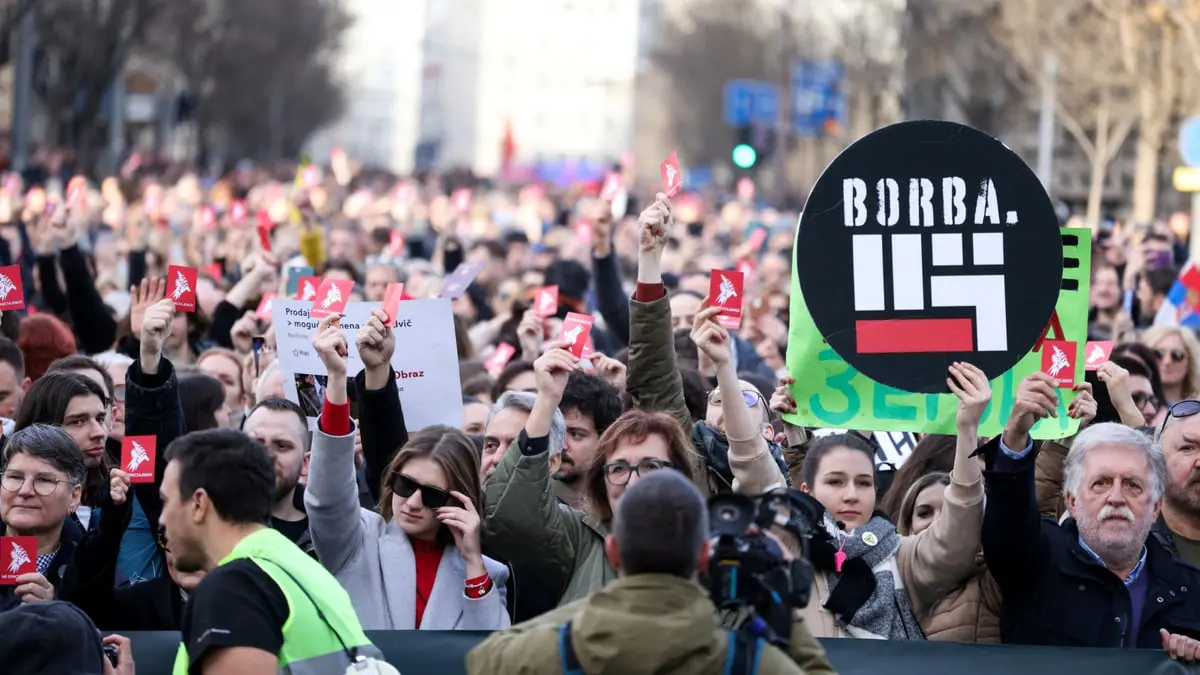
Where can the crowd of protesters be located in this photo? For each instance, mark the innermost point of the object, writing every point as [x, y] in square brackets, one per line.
[531, 513]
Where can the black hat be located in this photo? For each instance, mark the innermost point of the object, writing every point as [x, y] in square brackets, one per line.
[50, 637]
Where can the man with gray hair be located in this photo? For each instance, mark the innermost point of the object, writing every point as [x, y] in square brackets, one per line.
[1099, 580]
[1178, 528]
[506, 422]
[659, 545]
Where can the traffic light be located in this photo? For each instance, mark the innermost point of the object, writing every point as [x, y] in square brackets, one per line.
[744, 156]
[753, 145]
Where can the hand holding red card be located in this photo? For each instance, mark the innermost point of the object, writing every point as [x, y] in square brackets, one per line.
[264, 235]
[545, 301]
[1096, 354]
[12, 288]
[391, 300]
[499, 358]
[181, 285]
[672, 178]
[725, 289]
[137, 458]
[264, 307]
[1058, 361]
[332, 297]
[612, 183]
[576, 329]
[18, 555]
[306, 288]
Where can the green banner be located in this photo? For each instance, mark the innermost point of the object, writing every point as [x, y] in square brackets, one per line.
[830, 394]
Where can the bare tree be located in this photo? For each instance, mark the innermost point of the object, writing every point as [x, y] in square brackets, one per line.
[1097, 96]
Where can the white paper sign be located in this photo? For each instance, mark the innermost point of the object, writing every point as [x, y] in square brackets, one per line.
[425, 360]
[895, 446]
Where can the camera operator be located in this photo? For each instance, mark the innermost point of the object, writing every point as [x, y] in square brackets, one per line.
[654, 619]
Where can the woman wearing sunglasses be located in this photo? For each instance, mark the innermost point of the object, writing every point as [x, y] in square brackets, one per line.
[417, 563]
[1178, 353]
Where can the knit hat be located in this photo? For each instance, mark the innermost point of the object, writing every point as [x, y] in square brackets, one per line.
[50, 637]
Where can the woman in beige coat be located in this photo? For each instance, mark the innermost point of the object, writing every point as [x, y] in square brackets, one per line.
[871, 581]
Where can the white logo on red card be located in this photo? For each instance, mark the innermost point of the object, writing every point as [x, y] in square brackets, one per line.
[264, 307]
[575, 330]
[238, 210]
[499, 358]
[461, 199]
[137, 458]
[612, 183]
[671, 176]
[546, 303]
[311, 175]
[331, 298]
[76, 189]
[307, 288]
[183, 286]
[1098, 353]
[1058, 361]
[208, 218]
[725, 291]
[12, 292]
[18, 555]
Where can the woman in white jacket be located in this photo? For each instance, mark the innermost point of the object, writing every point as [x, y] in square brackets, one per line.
[417, 563]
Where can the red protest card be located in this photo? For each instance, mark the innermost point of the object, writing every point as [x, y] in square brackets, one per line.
[545, 302]
[264, 220]
[584, 230]
[76, 191]
[306, 288]
[12, 289]
[208, 218]
[395, 247]
[182, 282]
[12, 183]
[311, 176]
[1097, 353]
[331, 298]
[745, 189]
[264, 235]
[746, 267]
[461, 199]
[757, 237]
[725, 291]
[214, 270]
[237, 211]
[18, 555]
[612, 183]
[499, 358]
[672, 178]
[137, 458]
[576, 329]
[264, 306]
[391, 300]
[1058, 361]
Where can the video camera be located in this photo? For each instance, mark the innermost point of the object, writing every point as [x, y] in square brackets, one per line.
[753, 585]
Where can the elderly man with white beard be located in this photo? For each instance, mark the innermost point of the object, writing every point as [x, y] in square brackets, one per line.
[1099, 579]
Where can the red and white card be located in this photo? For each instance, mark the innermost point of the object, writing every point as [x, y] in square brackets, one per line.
[612, 184]
[391, 300]
[311, 176]
[746, 267]
[306, 288]
[181, 285]
[1058, 361]
[395, 247]
[208, 218]
[18, 555]
[725, 289]
[745, 189]
[545, 301]
[584, 230]
[264, 306]
[214, 270]
[264, 234]
[12, 289]
[76, 191]
[237, 211]
[576, 329]
[461, 199]
[499, 358]
[332, 296]
[1097, 354]
[672, 177]
[757, 237]
[137, 458]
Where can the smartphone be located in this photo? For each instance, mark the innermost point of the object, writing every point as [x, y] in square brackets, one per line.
[256, 345]
[112, 652]
[1128, 303]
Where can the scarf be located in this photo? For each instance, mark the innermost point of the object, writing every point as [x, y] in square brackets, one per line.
[867, 595]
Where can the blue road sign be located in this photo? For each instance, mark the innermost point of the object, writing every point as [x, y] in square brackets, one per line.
[750, 102]
[1189, 141]
[817, 97]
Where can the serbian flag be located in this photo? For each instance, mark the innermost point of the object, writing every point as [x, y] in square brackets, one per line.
[1182, 306]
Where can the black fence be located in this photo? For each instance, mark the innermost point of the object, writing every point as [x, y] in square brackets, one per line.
[442, 652]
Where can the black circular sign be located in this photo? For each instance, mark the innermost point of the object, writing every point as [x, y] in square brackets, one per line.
[925, 243]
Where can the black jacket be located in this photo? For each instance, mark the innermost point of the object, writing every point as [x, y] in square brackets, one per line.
[1055, 592]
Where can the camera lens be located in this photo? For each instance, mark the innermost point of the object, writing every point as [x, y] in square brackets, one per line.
[728, 514]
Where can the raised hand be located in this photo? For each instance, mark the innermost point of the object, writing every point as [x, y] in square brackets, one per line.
[118, 486]
[1036, 400]
[529, 333]
[142, 296]
[654, 224]
[974, 392]
[710, 337]
[243, 331]
[157, 320]
[610, 370]
[331, 348]
[782, 401]
[376, 342]
[464, 526]
[33, 587]
[552, 370]
[602, 226]
[1084, 407]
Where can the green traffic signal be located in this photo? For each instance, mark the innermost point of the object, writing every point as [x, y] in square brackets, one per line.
[744, 156]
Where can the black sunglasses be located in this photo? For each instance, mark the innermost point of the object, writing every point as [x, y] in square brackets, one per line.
[1180, 410]
[431, 497]
[1177, 355]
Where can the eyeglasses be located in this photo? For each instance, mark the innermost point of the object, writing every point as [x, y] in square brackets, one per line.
[43, 485]
[1176, 355]
[119, 393]
[431, 497]
[750, 396]
[1141, 399]
[1178, 411]
[618, 473]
